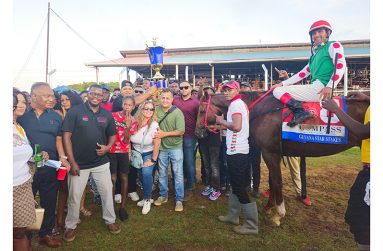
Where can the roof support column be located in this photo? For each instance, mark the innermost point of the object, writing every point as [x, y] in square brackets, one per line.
[212, 75]
[345, 82]
[266, 87]
[271, 74]
[127, 74]
[193, 80]
[186, 73]
[97, 74]
[176, 71]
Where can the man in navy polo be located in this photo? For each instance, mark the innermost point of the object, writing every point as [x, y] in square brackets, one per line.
[89, 133]
[43, 127]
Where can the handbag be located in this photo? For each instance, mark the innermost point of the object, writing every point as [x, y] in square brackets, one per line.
[137, 161]
[39, 219]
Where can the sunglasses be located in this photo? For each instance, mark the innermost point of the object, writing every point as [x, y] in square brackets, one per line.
[148, 109]
[139, 92]
[184, 87]
[95, 95]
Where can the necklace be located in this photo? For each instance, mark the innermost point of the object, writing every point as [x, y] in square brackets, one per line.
[20, 129]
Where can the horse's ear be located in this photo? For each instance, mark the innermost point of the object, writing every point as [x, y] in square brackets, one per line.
[204, 97]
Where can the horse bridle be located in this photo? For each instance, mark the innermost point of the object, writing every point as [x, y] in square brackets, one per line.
[208, 103]
[208, 107]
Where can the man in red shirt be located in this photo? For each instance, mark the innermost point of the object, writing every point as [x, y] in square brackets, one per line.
[105, 98]
[189, 107]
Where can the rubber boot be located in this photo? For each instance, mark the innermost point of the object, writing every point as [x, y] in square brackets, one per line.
[250, 225]
[300, 114]
[234, 210]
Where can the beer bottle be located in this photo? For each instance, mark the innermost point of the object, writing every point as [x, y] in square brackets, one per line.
[38, 157]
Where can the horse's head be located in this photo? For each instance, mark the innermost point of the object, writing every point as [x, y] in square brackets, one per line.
[209, 107]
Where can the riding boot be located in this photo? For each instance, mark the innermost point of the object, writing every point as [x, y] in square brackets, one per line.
[234, 210]
[299, 113]
[250, 225]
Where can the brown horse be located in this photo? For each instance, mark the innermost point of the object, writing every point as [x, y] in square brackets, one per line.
[265, 129]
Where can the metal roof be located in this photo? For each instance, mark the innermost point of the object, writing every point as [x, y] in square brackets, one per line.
[232, 54]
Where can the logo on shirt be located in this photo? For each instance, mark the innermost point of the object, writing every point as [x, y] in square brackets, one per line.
[101, 119]
[85, 118]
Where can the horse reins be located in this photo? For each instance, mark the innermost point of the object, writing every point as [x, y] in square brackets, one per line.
[259, 99]
[208, 107]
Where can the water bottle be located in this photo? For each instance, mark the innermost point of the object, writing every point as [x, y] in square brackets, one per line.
[38, 157]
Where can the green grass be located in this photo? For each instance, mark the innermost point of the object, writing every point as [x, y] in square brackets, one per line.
[320, 227]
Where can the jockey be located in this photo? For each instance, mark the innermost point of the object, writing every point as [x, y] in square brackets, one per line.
[320, 66]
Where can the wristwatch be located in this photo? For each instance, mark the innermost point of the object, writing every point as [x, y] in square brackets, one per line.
[152, 160]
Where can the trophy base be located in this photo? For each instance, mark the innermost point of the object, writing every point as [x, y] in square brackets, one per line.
[158, 76]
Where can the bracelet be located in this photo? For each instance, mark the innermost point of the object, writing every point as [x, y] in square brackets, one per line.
[64, 157]
[152, 160]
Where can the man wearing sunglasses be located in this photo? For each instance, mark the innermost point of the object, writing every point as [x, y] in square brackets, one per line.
[138, 91]
[189, 107]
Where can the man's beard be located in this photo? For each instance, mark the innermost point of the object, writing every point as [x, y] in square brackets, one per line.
[93, 105]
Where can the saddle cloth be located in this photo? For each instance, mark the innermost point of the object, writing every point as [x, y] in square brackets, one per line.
[314, 129]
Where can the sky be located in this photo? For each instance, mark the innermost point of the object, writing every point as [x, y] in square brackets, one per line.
[115, 25]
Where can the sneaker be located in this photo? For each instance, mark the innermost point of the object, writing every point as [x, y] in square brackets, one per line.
[266, 193]
[306, 201]
[69, 235]
[146, 207]
[207, 191]
[142, 202]
[50, 241]
[117, 198]
[160, 200]
[123, 214]
[133, 196]
[179, 207]
[113, 228]
[215, 195]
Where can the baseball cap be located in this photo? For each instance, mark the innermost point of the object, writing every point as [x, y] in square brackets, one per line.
[232, 85]
[245, 84]
[207, 86]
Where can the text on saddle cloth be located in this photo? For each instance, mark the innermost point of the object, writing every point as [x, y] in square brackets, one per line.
[314, 129]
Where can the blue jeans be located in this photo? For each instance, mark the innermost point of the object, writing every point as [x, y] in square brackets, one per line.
[176, 158]
[189, 161]
[147, 175]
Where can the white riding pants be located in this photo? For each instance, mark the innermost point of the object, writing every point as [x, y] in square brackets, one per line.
[307, 93]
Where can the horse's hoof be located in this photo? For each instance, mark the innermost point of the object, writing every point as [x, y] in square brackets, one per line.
[274, 221]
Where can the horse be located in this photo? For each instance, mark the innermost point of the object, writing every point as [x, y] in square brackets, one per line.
[265, 118]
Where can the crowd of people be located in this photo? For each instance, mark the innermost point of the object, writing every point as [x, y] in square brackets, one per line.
[119, 141]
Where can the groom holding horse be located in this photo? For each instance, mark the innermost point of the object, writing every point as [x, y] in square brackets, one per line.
[320, 67]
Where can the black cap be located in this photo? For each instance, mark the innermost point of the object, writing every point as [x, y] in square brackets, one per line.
[105, 87]
[125, 83]
[245, 84]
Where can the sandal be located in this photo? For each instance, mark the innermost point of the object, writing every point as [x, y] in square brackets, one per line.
[85, 212]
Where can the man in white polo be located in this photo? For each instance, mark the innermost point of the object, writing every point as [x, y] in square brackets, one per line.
[237, 143]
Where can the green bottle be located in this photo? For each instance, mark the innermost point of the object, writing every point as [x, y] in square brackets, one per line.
[38, 156]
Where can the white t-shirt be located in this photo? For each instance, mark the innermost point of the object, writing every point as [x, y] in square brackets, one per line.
[22, 151]
[237, 142]
[136, 138]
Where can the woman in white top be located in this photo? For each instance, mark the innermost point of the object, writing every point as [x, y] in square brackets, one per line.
[147, 126]
[23, 200]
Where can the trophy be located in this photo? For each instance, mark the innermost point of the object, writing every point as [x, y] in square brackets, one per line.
[156, 56]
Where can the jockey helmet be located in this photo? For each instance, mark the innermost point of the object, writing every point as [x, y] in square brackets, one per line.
[320, 24]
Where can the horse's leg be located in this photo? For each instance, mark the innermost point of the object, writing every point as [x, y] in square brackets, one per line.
[276, 197]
